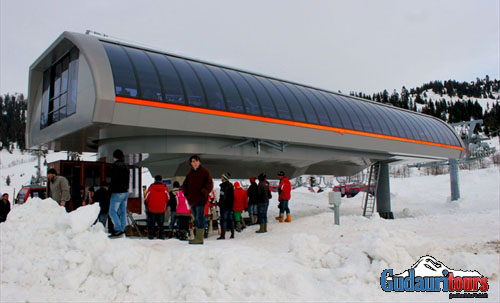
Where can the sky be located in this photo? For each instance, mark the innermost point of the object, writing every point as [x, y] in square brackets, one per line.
[360, 45]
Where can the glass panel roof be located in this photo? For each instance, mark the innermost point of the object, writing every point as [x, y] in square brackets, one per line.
[155, 76]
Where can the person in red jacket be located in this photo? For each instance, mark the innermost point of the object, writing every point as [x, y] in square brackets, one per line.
[240, 204]
[156, 201]
[284, 191]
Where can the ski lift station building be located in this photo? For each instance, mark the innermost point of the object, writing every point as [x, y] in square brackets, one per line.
[93, 94]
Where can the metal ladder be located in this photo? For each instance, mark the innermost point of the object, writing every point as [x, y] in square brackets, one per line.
[369, 200]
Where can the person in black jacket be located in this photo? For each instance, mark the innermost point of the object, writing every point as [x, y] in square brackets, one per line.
[264, 194]
[4, 207]
[172, 204]
[119, 193]
[226, 201]
[103, 196]
[253, 200]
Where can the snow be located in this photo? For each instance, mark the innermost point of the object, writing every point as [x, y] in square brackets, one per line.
[486, 103]
[47, 254]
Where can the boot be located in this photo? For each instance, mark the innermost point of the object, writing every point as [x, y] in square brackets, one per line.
[222, 234]
[288, 218]
[199, 237]
[282, 218]
[232, 233]
[265, 228]
[205, 234]
[238, 227]
[261, 229]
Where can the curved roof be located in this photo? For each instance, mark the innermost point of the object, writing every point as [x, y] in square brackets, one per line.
[146, 101]
[153, 76]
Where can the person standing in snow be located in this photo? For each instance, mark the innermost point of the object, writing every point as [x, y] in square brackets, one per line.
[240, 204]
[226, 202]
[284, 191]
[264, 194]
[4, 207]
[58, 188]
[120, 176]
[197, 186]
[182, 213]
[156, 199]
[103, 196]
[172, 204]
[253, 200]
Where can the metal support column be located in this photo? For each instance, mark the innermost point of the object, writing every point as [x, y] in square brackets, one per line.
[455, 188]
[384, 193]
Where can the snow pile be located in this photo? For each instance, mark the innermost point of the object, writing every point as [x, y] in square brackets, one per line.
[49, 255]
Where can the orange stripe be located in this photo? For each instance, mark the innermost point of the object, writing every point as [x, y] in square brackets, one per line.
[274, 121]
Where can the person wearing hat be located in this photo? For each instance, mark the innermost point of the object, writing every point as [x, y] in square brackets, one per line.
[58, 188]
[196, 187]
[264, 194]
[284, 191]
[226, 203]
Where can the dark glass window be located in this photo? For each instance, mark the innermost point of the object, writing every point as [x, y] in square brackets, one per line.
[386, 125]
[304, 102]
[440, 131]
[426, 126]
[150, 88]
[123, 73]
[293, 104]
[452, 138]
[409, 128]
[45, 99]
[379, 126]
[169, 78]
[400, 121]
[73, 81]
[394, 126]
[317, 105]
[330, 110]
[265, 101]
[193, 87]
[249, 98]
[436, 128]
[59, 86]
[215, 98]
[279, 101]
[351, 113]
[344, 117]
[417, 127]
[364, 117]
[233, 99]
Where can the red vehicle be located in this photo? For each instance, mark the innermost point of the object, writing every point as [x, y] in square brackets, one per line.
[351, 190]
[30, 191]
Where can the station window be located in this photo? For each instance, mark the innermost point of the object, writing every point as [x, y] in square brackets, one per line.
[59, 89]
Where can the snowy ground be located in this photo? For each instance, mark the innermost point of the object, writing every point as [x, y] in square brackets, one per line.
[48, 255]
